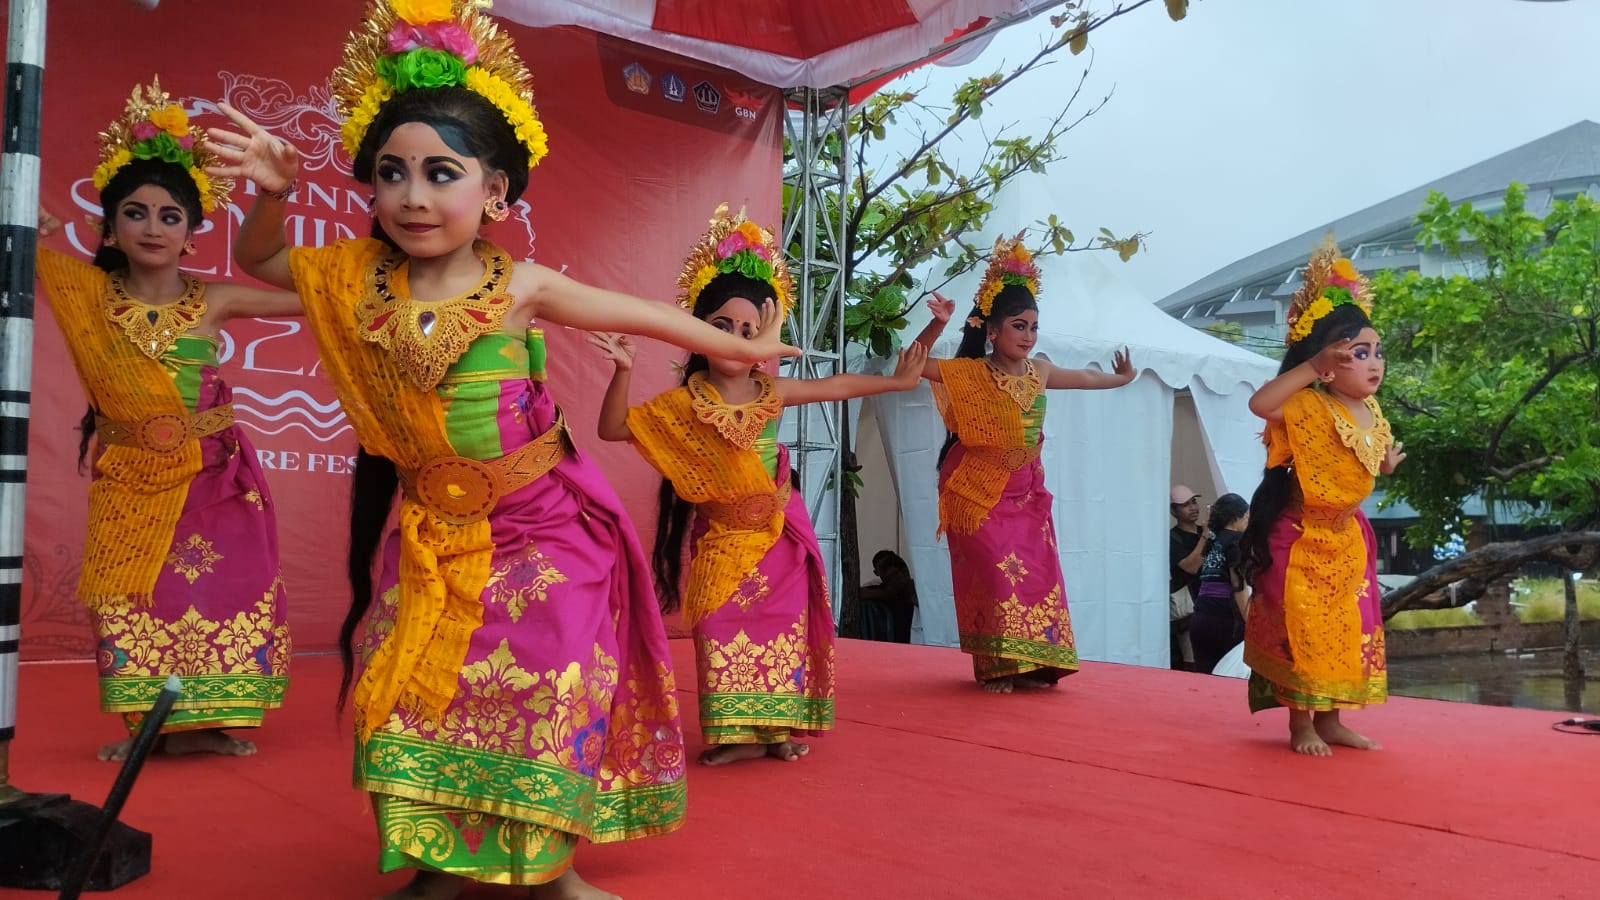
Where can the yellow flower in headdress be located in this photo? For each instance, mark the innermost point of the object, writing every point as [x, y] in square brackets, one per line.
[421, 12]
[405, 45]
[154, 128]
[1009, 263]
[171, 119]
[734, 244]
[1330, 281]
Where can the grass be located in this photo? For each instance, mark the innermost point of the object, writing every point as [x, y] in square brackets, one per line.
[1431, 618]
[1542, 599]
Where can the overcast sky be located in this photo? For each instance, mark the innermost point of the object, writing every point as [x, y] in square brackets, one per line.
[1254, 120]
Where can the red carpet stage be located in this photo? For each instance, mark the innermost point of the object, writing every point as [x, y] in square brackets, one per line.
[1120, 783]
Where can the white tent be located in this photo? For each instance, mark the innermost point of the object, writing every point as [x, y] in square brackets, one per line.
[1109, 456]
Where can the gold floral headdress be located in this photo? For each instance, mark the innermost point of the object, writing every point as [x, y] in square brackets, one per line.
[1330, 281]
[153, 127]
[1009, 263]
[406, 44]
[736, 244]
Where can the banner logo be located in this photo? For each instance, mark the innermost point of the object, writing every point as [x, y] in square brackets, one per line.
[637, 78]
[673, 88]
[707, 97]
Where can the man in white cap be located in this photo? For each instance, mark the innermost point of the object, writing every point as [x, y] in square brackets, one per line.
[1187, 546]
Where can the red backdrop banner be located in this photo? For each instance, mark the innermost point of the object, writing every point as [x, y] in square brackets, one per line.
[643, 146]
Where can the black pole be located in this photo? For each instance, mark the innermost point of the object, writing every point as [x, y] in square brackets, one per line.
[19, 219]
[149, 730]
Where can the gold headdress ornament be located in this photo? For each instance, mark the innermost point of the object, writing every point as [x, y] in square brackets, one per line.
[153, 127]
[736, 244]
[407, 44]
[1330, 281]
[1009, 263]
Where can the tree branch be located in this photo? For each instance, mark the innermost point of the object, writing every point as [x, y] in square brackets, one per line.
[1556, 367]
[1574, 551]
[1526, 466]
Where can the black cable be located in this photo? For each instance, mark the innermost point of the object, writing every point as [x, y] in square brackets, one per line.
[1577, 726]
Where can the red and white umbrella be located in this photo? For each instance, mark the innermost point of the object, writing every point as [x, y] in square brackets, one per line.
[798, 43]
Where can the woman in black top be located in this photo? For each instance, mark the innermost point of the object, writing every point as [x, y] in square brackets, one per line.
[1218, 622]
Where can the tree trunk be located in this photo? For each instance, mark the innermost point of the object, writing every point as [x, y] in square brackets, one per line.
[849, 538]
[1572, 662]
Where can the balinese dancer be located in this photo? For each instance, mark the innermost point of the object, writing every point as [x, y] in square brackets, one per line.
[757, 597]
[180, 564]
[994, 508]
[1314, 632]
[517, 694]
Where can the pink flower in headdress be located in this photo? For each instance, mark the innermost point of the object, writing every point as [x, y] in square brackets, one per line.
[732, 244]
[1018, 267]
[186, 142]
[144, 131]
[762, 251]
[446, 36]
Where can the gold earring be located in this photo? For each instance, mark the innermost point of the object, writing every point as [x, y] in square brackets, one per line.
[110, 241]
[496, 209]
[189, 248]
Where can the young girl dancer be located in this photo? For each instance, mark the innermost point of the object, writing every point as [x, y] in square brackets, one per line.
[1314, 634]
[180, 564]
[757, 597]
[1011, 605]
[516, 694]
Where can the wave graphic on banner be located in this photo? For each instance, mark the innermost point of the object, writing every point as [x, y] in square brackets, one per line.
[289, 410]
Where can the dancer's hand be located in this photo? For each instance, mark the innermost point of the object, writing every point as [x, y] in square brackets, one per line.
[1392, 458]
[1122, 366]
[941, 308]
[908, 369]
[48, 224]
[618, 348]
[768, 341]
[1332, 357]
[272, 163]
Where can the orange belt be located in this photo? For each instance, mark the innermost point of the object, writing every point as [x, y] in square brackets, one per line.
[164, 433]
[461, 490]
[753, 511]
[1010, 460]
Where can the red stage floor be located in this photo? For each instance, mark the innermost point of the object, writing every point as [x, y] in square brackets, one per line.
[1121, 783]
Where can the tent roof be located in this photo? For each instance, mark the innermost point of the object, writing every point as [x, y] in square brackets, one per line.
[1089, 310]
[818, 43]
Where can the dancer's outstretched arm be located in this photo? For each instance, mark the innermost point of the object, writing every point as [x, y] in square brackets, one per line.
[613, 424]
[272, 163]
[1122, 372]
[1268, 402]
[907, 372]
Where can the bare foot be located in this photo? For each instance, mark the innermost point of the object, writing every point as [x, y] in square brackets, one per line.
[1336, 732]
[1000, 685]
[722, 754]
[211, 740]
[1303, 737]
[182, 743]
[788, 751]
[570, 886]
[430, 886]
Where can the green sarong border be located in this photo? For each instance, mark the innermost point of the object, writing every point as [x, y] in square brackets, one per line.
[518, 788]
[770, 710]
[137, 693]
[1052, 655]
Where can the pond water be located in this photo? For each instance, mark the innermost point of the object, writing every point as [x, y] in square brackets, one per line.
[1531, 680]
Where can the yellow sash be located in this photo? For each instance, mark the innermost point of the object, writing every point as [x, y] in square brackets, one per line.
[443, 566]
[706, 469]
[135, 503]
[987, 420]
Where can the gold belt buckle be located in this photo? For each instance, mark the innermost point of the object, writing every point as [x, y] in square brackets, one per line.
[459, 490]
[163, 433]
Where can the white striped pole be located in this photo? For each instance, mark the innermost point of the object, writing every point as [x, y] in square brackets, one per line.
[19, 220]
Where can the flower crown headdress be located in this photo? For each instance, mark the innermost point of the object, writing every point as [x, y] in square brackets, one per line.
[1009, 263]
[736, 244]
[1330, 281]
[153, 127]
[406, 44]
